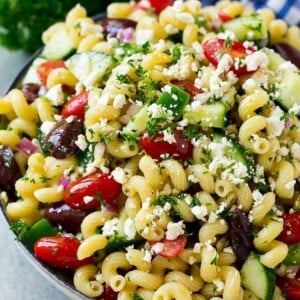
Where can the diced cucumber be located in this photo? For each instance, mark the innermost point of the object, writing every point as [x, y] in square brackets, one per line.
[60, 45]
[293, 257]
[275, 60]
[208, 115]
[31, 75]
[90, 67]
[257, 278]
[235, 151]
[247, 28]
[289, 89]
[174, 100]
[138, 122]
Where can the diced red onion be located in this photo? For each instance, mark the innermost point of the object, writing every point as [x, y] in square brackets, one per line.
[126, 35]
[64, 181]
[26, 146]
[288, 123]
[112, 207]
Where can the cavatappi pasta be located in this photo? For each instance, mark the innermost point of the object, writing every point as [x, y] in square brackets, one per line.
[162, 151]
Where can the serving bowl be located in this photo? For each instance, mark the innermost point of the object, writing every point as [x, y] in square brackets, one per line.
[61, 280]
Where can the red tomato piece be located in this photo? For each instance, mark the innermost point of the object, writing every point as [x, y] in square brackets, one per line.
[142, 5]
[188, 86]
[291, 287]
[213, 50]
[108, 293]
[156, 147]
[88, 192]
[156, 5]
[291, 228]
[59, 252]
[172, 248]
[76, 106]
[224, 17]
[46, 67]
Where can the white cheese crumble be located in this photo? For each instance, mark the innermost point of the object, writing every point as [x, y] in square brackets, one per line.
[197, 247]
[110, 227]
[47, 126]
[290, 185]
[276, 122]
[143, 35]
[129, 228]
[158, 247]
[255, 60]
[119, 101]
[147, 257]
[219, 284]
[56, 95]
[174, 230]
[200, 212]
[88, 199]
[119, 175]
[295, 150]
[81, 142]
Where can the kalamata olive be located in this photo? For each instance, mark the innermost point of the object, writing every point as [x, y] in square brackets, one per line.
[60, 141]
[288, 52]
[240, 235]
[31, 91]
[65, 216]
[9, 169]
[111, 26]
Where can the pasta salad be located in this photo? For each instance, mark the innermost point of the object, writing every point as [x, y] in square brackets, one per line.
[155, 154]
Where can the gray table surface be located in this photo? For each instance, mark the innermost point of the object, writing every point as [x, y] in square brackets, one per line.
[19, 279]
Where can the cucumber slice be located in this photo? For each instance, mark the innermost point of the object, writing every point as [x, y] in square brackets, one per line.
[250, 28]
[90, 67]
[257, 278]
[208, 115]
[235, 151]
[60, 46]
[289, 89]
[138, 122]
[275, 60]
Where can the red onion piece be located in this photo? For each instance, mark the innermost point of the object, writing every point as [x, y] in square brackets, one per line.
[288, 123]
[126, 35]
[64, 181]
[26, 146]
[112, 207]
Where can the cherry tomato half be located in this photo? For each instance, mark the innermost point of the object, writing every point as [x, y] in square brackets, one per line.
[188, 86]
[291, 228]
[156, 5]
[76, 106]
[156, 147]
[224, 17]
[46, 67]
[172, 248]
[59, 252]
[213, 49]
[88, 192]
[291, 287]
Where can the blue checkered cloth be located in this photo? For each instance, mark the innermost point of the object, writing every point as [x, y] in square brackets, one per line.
[288, 10]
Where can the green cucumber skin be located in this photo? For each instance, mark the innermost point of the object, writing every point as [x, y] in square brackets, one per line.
[289, 90]
[293, 257]
[210, 115]
[237, 151]
[59, 47]
[243, 25]
[85, 65]
[254, 274]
